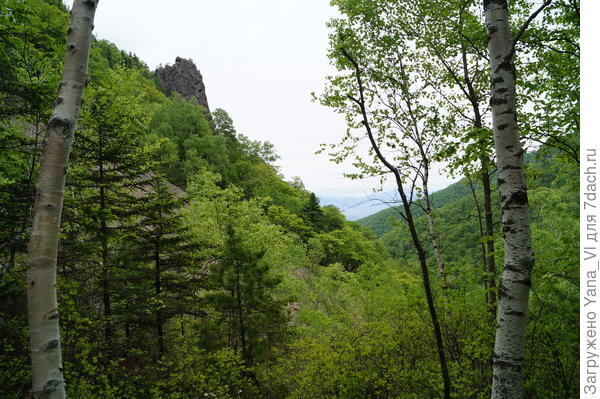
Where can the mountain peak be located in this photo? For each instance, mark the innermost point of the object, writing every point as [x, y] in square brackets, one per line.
[184, 78]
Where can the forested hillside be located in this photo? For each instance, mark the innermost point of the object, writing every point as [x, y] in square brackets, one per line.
[553, 195]
[190, 267]
[382, 221]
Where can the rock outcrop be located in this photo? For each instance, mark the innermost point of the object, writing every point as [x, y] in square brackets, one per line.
[184, 78]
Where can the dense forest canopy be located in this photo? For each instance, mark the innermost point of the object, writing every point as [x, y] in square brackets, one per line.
[188, 266]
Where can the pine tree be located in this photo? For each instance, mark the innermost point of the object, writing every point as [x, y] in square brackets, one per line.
[244, 285]
[110, 170]
[313, 213]
[164, 241]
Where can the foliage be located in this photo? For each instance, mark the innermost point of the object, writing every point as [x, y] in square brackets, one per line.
[550, 80]
[186, 229]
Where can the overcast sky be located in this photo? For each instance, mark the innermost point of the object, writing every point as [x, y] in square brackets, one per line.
[260, 60]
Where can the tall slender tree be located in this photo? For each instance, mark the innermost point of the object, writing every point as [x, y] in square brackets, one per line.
[448, 59]
[110, 170]
[165, 241]
[509, 348]
[243, 292]
[47, 372]
[312, 213]
[360, 101]
[455, 64]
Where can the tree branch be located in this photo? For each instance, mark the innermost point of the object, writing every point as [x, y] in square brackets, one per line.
[526, 24]
[361, 104]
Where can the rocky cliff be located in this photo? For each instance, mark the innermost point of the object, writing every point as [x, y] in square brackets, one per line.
[184, 78]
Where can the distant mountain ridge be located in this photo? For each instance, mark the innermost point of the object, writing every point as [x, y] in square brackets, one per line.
[381, 222]
[355, 208]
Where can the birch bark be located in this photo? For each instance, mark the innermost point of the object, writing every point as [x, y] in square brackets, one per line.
[47, 372]
[411, 225]
[433, 235]
[518, 259]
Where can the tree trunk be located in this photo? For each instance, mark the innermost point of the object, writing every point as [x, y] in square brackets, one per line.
[105, 268]
[428, 292]
[127, 330]
[411, 225]
[518, 253]
[489, 232]
[482, 234]
[158, 290]
[47, 372]
[490, 263]
[435, 240]
[240, 310]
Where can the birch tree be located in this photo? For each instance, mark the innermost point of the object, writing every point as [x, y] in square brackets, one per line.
[414, 114]
[447, 45]
[405, 109]
[452, 37]
[399, 178]
[550, 79]
[402, 127]
[514, 288]
[47, 372]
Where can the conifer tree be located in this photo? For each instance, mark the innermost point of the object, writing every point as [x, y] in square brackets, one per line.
[164, 241]
[110, 169]
[243, 286]
[313, 213]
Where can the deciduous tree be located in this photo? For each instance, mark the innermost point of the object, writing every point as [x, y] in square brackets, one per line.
[509, 348]
[47, 373]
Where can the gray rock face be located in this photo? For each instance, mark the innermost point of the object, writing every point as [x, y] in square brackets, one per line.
[184, 78]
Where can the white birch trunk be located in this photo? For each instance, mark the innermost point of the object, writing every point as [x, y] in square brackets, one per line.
[47, 372]
[435, 239]
[518, 253]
